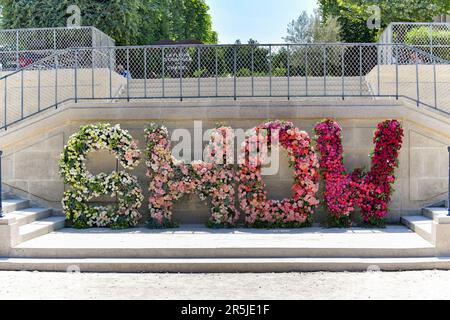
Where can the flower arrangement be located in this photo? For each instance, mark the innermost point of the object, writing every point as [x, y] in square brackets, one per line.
[296, 211]
[85, 186]
[371, 191]
[172, 179]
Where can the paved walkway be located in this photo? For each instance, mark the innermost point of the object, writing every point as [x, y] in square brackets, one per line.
[369, 285]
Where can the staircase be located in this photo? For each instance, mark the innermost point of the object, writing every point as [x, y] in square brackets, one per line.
[246, 87]
[32, 221]
[422, 224]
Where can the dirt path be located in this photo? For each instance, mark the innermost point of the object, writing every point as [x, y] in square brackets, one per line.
[320, 285]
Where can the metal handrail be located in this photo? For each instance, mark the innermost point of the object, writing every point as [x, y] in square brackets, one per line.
[334, 66]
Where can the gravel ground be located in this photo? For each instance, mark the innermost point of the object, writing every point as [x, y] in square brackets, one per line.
[317, 285]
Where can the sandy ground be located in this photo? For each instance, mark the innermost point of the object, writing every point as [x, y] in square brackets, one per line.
[319, 285]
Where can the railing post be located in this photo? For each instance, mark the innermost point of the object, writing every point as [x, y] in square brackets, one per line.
[56, 81]
[448, 204]
[434, 82]
[145, 72]
[199, 70]
[417, 82]
[396, 73]
[93, 73]
[163, 73]
[343, 72]
[235, 71]
[76, 76]
[324, 70]
[128, 74]
[1, 182]
[217, 71]
[110, 73]
[378, 70]
[306, 70]
[360, 70]
[253, 70]
[21, 94]
[17, 50]
[6, 103]
[270, 70]
[39, 88]
[288, 58]
[181, 72]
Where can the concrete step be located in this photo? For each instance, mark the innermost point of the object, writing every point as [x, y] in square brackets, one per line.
[432, 213]
[419, 224]
[29, 215]
[193, 265]
[5, 195]
[11, 205]
[40, 227]
[199, 242]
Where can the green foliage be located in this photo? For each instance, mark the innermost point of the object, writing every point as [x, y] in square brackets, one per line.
[421, 36]
[354, 14]
[313, 29]
[129, 22]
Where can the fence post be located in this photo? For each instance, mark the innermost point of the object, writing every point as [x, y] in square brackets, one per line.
[396, 73]
[6, 102]
[360, 70]
[181, 72]
[288, 57]
[145, 72]
[270, 70]
[93, 73]
[199, 70]
[306, 70]
[253, 70]
[343, 72]
[235, 71]
[163, 73]
[39, 88]
[17, 50]
[324, 70]
[56, 81]
[1, 182]
[217, 71]
[76, 76]
[21, 94]
[434, 82]
[448, 199]
[417, 81]
[128, 74]
[110, 73]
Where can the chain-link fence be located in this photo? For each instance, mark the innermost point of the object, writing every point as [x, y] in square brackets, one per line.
[226, 71]
[432, 38]
[22, 47]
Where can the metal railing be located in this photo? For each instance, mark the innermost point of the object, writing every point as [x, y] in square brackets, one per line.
[226, 71]
[22, 47]
[431, 37]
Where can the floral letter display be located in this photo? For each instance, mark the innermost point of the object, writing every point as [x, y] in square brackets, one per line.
[372, 190]
[172, 179]
[85, 186]
[294, 212]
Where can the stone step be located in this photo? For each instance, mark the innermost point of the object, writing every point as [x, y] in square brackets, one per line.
[195, 265]
[11, 205]
[29, 215]
[432, 213]
[200, 242]
[40, 227]
[419, 224]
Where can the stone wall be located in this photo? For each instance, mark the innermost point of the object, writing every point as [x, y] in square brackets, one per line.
[32, 148]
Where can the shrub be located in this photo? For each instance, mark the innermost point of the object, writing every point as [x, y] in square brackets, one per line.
[421, 36]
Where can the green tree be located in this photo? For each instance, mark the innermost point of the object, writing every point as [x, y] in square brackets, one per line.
[354, 14]
[127, 21]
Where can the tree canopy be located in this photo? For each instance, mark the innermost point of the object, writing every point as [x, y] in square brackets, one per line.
[354, 14]
[127, 21]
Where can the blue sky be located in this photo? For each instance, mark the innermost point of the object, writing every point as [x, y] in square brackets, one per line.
[263, 20]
